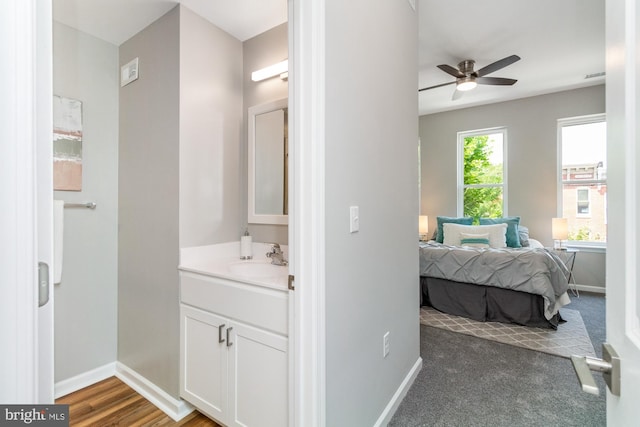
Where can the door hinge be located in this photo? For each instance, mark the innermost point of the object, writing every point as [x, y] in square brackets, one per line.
[291, 280]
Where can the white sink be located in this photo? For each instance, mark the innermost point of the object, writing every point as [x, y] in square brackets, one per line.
[257, 269]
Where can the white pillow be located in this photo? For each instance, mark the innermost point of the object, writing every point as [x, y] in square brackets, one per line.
[475, 240]
[497, 233]
[533, 243]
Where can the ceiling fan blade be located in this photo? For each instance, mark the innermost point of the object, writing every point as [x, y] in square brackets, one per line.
[497, 65]
[457, 94]
[433, 87]
[501, 81]
[451, 70]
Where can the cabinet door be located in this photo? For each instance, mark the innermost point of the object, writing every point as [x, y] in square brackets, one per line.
[258, 378]
[203, 361]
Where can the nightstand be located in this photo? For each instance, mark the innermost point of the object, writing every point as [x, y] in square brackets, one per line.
[568, 257]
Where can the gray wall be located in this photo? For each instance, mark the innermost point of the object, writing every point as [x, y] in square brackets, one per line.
[532, 161]
[211, 155]
[371, 144]
[86, 68]
[148, 321]
[261, 51]
[180, 138]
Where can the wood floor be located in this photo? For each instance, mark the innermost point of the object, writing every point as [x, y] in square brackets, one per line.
[113, 403]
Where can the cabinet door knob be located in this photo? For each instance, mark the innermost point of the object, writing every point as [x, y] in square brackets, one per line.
[220, 339]
[229, 343]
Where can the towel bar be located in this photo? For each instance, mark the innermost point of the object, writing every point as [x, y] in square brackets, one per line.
[88, 205]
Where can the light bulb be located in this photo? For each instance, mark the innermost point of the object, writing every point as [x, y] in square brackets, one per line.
[466, 84]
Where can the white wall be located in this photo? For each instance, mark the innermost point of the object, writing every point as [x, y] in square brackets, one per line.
[86, 68]
[211, 194]
[532, 161]
[261, 51]
[370, 161]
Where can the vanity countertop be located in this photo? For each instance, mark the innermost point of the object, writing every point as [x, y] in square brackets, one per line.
[223, 261]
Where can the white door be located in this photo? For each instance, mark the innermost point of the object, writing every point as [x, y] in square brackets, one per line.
[623, 250]
[44, 194]
[258, 377]
[204, 359]
[26, 195]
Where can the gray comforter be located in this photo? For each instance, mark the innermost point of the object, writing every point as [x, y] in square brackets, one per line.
[536, 271]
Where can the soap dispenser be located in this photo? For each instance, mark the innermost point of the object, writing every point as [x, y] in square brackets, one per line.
[245, 246]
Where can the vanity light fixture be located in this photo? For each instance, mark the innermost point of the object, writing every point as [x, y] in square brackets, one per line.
[281, 68]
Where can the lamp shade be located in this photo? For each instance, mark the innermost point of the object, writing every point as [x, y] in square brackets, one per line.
[423, 225]
[559, 229]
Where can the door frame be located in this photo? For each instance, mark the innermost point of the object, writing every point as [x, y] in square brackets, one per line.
[307, 203]
[18, 251]
[25, 45]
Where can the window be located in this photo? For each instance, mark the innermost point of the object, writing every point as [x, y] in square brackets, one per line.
[482, 173]
[582, 206]
[582, 196]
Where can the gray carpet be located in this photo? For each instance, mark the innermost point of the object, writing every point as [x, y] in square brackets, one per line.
[469, 381]
[591, 306]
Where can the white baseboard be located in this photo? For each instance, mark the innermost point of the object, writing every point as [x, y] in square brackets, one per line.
[175, 408]
[400, 393]
[588, 288]
[64, 387]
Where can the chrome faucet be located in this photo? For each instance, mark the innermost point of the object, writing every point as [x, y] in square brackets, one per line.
[276, 255]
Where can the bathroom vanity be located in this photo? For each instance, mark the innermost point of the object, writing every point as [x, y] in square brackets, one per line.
[234, 344]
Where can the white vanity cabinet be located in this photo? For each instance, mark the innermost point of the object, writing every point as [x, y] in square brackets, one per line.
[234, 350]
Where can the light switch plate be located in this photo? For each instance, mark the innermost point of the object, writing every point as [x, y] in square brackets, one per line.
[354, 219]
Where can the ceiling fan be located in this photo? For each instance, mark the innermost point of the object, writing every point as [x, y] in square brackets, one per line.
[467, 78]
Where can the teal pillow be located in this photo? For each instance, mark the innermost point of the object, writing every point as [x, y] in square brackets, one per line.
[443, 219]
[513, 238]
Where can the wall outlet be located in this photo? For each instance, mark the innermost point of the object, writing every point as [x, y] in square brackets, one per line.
[385, 345]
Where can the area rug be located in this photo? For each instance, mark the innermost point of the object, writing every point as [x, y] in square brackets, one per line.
[570, 338]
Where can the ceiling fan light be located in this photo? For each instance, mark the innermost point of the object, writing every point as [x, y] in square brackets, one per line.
[466, 84]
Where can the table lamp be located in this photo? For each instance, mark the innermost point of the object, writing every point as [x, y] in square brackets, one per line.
[559, 232]
[423, 227]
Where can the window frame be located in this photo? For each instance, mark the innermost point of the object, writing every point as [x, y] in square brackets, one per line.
[460, 166]
[573, 121]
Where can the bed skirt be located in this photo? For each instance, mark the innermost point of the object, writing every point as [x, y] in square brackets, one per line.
[485, 303]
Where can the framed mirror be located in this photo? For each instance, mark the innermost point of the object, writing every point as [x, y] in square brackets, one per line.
[268, 163]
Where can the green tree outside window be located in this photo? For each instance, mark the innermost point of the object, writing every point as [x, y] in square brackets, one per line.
[483, 178]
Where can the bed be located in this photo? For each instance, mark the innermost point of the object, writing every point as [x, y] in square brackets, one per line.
[525, 285]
